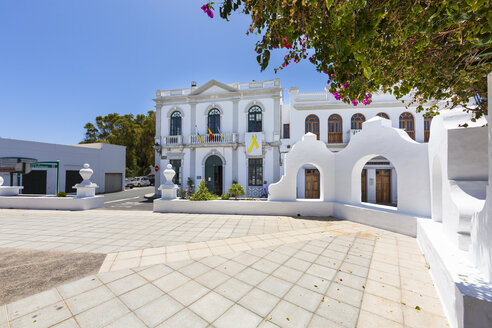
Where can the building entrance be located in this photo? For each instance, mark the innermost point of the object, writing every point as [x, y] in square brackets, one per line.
[383, 186]
[213, 174]
[311, 183]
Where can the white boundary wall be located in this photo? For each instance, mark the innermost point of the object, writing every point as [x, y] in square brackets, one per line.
[51, 203]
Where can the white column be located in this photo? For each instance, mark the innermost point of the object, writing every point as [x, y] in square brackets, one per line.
[394, 187]
[371, 185]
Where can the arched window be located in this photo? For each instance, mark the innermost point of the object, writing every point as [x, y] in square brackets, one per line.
[427, 127]
[175, 127]
[406, 123]
[383, 115]
[311, 124]
[356, 121]
[335, 129]
[254, 119]
[214, 120]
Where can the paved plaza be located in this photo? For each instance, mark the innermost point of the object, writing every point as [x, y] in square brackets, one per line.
[183, 270]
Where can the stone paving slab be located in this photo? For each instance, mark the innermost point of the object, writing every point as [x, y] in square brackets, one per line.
[99, 231]
[329, 274]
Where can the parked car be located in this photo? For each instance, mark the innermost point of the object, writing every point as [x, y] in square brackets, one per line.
[128, 184]
[151, 179]
[141, 181]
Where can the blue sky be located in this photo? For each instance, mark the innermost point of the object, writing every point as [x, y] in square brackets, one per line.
[64, 62]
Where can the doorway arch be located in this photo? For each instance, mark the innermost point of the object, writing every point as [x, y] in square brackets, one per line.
[213, 174]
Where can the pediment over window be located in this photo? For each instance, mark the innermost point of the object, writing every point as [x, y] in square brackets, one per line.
[213, 87]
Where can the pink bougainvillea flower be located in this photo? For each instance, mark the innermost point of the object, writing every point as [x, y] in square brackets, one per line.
[336, 95]
[286, 44]
[346, 85]
[354, 102]
[206, 9]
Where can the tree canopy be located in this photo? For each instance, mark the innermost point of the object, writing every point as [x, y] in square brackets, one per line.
[135, 132]
[431, 50]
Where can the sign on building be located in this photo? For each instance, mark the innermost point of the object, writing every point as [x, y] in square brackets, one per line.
[253, 143]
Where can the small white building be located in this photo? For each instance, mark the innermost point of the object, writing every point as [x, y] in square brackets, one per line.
[212, 132]
[107, 161]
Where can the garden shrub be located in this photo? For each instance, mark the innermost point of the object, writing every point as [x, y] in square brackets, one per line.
[236, 190]
[202, 193]
[225, 196]
[61, 194]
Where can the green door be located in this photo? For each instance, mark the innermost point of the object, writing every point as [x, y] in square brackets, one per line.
[213, 174]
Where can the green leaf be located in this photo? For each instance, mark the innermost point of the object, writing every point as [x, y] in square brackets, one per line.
[359, 57]
[367, 72]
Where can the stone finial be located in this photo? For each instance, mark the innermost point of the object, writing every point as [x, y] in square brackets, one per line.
[86, 188]
[168, 189]
[169, 173]
[1, 181]
[86, 172]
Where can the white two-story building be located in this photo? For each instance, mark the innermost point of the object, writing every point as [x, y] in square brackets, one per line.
[225, 133]
[221, 133]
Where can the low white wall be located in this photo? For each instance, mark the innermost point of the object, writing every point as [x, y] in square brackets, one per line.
[302, 208]
[378, 216]
[384, 217]
[465, 295]
[52, 203]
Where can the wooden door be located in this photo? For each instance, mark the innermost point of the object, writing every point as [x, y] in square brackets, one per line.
[312, 183]
[363, 188]
[383, 186]
[311, 124]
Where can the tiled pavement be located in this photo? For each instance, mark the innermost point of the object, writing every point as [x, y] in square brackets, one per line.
[100, 231]
[295, 273]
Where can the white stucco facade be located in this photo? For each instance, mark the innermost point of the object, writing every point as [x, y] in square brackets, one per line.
[438, 188]
[282, 125]
[107, 161]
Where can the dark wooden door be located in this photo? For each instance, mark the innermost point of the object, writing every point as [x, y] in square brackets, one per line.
[383, 186]
[217, 180]
[213, 174]
[363, 188]
[312, 183]
[34, 182]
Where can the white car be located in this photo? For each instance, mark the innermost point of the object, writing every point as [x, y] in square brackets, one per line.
[141, 181]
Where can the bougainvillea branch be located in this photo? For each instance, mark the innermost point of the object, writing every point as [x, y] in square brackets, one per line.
[432, 50]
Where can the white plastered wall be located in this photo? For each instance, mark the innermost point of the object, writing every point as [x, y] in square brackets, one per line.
[458, 167]
[340, 172]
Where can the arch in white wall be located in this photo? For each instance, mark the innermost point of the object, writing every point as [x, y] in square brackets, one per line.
[307, 151]
[321, 181]
[212, 106]
[356, 177]
[175, 109]
[254, 103]
[409, 158]
[211, 153]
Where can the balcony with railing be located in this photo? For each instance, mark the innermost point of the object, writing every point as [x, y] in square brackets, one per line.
[216, 138]
[172, 140]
